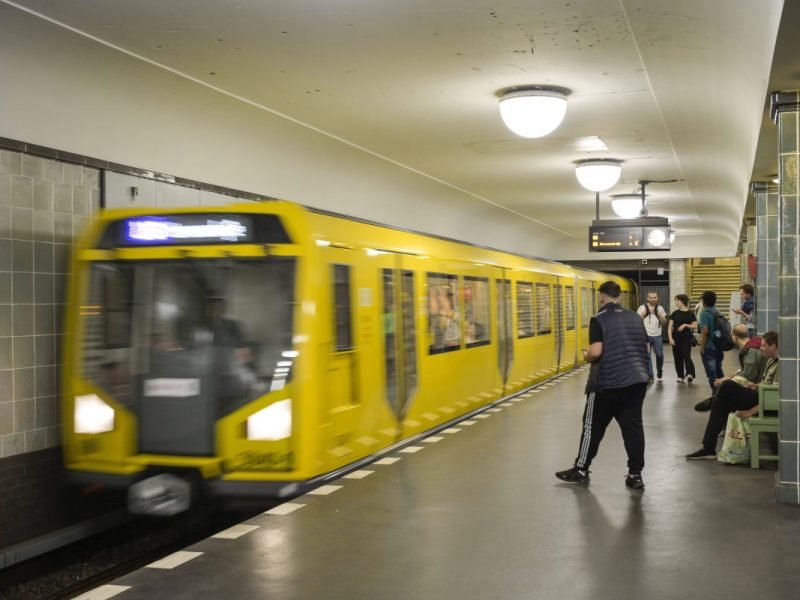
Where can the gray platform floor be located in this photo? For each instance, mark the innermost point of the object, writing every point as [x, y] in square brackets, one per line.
[479, 514]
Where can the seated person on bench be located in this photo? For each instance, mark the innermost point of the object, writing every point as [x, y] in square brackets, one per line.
[739, 397]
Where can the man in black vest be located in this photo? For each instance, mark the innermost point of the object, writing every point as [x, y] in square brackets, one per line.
[619, 353]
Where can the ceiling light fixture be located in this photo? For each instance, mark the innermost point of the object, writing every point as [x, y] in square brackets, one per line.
[598, 175]
[534, 112]
[627, 206]
[672, 235]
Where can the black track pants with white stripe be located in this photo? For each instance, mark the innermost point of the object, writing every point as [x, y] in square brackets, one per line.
[624, 405]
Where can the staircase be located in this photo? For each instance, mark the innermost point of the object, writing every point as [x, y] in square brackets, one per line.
[721, 275]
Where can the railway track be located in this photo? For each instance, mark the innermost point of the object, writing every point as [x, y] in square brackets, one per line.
[81, 566]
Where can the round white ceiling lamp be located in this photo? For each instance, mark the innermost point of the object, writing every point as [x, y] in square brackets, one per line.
[627, 206]
[534, 112]
[598, 175]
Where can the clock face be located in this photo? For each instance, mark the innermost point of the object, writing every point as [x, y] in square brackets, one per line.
[656, 238]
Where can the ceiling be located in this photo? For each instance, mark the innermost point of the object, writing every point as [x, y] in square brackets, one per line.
[673, 88]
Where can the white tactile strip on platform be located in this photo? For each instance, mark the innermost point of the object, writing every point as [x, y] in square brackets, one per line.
[468, 423]
[103, 592]
[451, 430]
[284, 509]
[495, 410]
[482, 416]
[358, 474]
[235, 532]
[324, 490]
[389, 460]
[411, 449]
[175, 559]
[432, 439]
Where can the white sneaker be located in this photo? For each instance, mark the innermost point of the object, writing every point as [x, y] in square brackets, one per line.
[680, 379]
[689, 379]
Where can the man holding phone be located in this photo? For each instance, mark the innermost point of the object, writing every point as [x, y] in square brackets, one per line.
[619, 353]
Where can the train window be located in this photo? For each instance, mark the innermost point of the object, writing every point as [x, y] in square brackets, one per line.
[223, 327]
[444, 323]
[107, 329]
[476, 311]
[389, 337]
[400, 352]
[569, 302]
[524, 309]
[343, 334]
[409, 338]
[543, 308]
[585, 307]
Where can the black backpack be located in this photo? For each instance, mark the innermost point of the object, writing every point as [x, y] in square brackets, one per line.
[721, 336]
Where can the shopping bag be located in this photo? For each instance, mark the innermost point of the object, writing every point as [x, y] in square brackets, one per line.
[736, 447]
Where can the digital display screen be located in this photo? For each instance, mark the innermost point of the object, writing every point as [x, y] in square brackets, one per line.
[191, 229]
[622, 238]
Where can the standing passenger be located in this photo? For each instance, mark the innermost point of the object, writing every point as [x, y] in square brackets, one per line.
[619, 353]
[654, 317]
[681, 334]
[712, 356]
[746, 292]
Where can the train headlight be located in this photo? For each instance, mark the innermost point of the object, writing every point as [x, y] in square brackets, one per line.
[92, 415]
[271, 423]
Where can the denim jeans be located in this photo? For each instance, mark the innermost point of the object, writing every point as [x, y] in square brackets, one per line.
[712, 362]
[657, 346]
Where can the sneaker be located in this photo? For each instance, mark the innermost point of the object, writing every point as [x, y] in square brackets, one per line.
[689, 378]
[634, 481]
[701, 454]
[650, 380]
[704, 405]
[660, 376]
[574, 475]
[680, 380]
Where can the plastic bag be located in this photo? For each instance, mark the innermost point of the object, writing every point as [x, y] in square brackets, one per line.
[736, 447]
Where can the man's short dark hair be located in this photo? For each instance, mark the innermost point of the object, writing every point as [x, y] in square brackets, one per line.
[771, 338]
[709, 298]
[747, 289]
[610, 289]
[683, 298]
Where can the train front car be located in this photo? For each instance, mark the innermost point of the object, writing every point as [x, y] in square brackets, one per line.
[186, 353]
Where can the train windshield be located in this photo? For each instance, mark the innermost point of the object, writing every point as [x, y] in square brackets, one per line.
[214, 333]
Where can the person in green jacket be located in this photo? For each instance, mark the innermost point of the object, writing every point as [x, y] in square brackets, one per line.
[738, 397]
[751, 361]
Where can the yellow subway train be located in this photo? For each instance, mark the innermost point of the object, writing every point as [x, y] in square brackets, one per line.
[258, 348]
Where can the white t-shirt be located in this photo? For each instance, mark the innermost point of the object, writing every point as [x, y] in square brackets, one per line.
[651, 322]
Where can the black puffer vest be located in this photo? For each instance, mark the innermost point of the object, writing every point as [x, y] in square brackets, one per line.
[624, 358]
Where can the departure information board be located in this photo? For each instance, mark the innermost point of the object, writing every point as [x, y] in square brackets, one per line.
[628, 238]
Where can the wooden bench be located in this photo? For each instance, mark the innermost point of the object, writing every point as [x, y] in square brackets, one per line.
[766, 422]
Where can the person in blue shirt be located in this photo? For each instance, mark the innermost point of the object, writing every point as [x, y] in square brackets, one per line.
[746, 293]
[712, 356]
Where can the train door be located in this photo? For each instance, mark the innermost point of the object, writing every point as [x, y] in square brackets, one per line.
[504, 318]
[399, 330]
[342, 388]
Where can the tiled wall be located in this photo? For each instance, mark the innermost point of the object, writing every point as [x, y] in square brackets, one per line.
[787, 106]
[43, 205]
[768, 257]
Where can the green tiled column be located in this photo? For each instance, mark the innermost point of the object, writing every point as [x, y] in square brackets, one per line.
[768, 257]
[785, 107]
